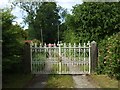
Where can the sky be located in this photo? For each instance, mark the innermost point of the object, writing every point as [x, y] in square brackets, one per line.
[19, 13]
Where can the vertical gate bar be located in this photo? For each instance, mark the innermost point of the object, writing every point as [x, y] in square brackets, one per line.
[31, 55]
[67, 67]
[79, 51]
[71, 53]
[84, 57]
[44, 69]
[55, 70]
[62, 70]
[45, 49]
[34, 67]
[79, 57]
[69, 50]
[39, 62]
[57, 67]
[64, 51]
[37, 66]
[89, 56]
[35, 47]
[59, 61]
[74, 51]
[49, 50]
[66, 57]
[40, 46]
[54, 51]
[74, 56]
[59, 50]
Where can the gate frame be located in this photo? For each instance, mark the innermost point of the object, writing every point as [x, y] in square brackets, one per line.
[93, 59]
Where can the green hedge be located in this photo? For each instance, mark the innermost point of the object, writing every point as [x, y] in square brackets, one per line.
[109, 56]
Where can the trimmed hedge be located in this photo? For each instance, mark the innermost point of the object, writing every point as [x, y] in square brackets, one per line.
[109, 56]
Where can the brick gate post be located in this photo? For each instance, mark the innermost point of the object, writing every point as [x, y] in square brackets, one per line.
[94, 56]
[27, 58]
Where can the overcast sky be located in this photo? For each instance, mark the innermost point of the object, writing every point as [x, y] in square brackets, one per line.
[19, 13]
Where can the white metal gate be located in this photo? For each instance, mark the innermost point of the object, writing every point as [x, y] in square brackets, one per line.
[60, 59]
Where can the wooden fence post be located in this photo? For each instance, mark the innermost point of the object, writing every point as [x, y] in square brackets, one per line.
[27, 58]
[94, 56]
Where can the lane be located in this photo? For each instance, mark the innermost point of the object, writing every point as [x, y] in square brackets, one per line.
[39, 81]
[75, 66]
[81, 81]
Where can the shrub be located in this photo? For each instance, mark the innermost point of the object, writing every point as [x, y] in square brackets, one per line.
[109, 56]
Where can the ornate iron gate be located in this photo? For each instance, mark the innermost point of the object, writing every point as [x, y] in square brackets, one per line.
[60, 59]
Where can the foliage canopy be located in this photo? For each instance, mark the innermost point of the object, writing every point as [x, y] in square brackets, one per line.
[94, 21]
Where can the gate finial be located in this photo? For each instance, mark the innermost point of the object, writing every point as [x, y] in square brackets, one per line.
[54, 45]
[45, 45]
[64, 44]
[74, 44]
[69, 44]
[79, 45]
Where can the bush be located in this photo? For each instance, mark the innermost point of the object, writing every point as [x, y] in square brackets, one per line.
[36, 41]
[109, 56]
[13, 39]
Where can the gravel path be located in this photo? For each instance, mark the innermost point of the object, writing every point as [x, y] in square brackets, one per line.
[39, 81]
[81, 81]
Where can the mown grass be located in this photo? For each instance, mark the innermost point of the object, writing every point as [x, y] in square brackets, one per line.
[16, 80]
[104, 81]
[60, 81]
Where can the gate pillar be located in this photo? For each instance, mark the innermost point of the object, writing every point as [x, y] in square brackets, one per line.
[94, 56]
[27, 58]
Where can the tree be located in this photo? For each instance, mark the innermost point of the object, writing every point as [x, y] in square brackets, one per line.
[94, 21]
[47, 21]
[13, 36]
[43, 20]
[31, 9]
[70, 37]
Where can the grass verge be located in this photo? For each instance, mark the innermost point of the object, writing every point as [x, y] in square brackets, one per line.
[16, 80]
[60, 81]
[104, 81]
